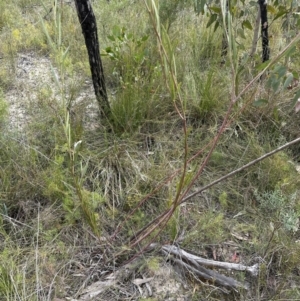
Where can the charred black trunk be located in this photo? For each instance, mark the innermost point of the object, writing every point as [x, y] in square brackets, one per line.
[89, 29]
[264, 30]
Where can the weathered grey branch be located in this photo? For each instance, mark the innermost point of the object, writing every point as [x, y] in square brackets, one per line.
[253, 270]
[211, 275]
[192, 263]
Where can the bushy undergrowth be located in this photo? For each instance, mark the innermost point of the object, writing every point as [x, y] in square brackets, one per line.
[69, 185]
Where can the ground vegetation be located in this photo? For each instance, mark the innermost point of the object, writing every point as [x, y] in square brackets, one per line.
[85, 200]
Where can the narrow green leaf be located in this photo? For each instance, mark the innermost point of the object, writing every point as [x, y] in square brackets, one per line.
[59, 41]
[45, 8]
[211, 20]
[295, 74]
[116, 30]
[260, 102]
[145, 38]
[271, 9]
[296, 97]
[215, 9]
[65, 53]
[280, 70]
[262, 66]
[253, 3]
[288, 80]
[55, 76]
[49, 39]
[217, 24]
[199, 6]
[247, 24]
[275, 85]
[112, 38]
[290, 51]
[280, 14]
[83, 168]
[108, 49]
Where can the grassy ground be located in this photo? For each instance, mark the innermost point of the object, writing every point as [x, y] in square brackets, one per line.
[67, 182]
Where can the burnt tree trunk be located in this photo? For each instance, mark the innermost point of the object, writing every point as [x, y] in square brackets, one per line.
[264, 30]
[89, 29]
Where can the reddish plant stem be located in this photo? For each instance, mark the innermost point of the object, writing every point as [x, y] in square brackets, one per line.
[179, 199]
[240, 169]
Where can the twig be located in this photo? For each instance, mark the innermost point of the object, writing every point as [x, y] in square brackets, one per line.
[240, 169]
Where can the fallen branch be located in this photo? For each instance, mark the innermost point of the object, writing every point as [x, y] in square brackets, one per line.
[211, 275]
[253, 270]
[193, 263]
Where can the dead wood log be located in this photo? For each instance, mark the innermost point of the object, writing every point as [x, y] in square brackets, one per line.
[193, 264]
[176, 251]
[210, 275]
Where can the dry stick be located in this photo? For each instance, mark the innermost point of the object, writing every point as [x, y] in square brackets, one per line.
[240, 169]
[194, 264]
[211, 275]
[183, 255]
[164, 217]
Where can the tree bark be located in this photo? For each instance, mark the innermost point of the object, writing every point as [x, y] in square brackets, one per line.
[89, 29]
[264, 30]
